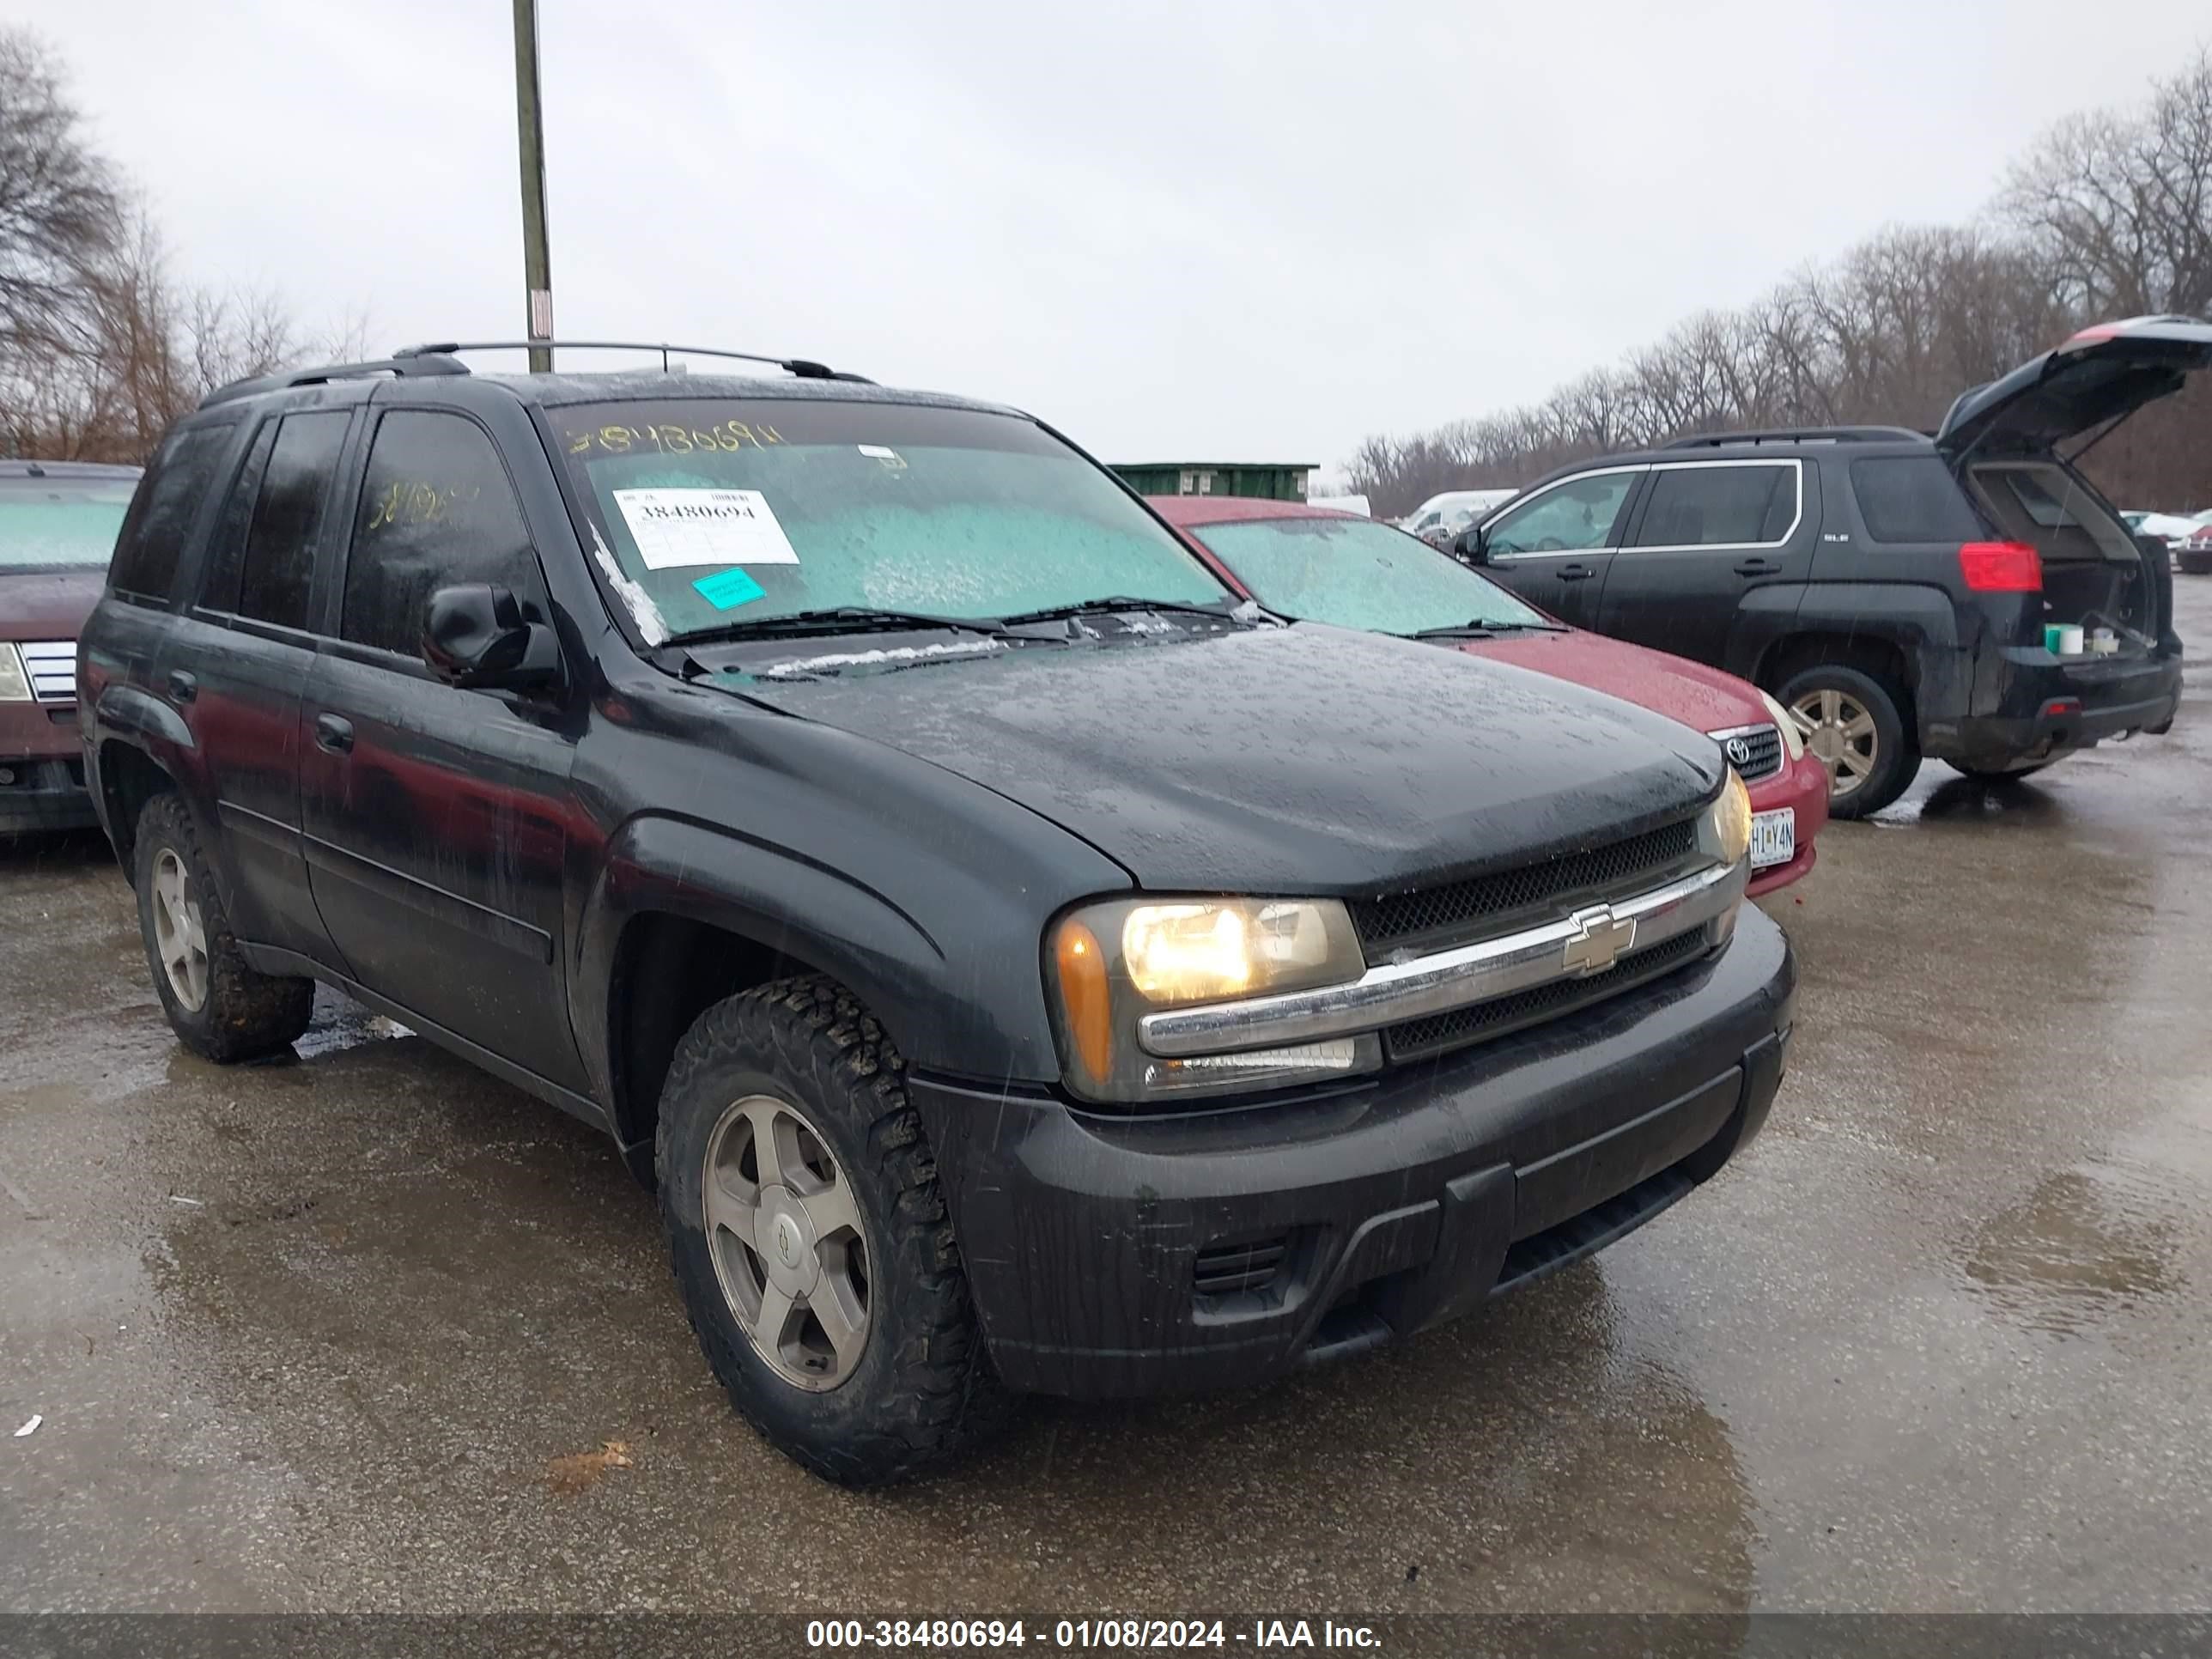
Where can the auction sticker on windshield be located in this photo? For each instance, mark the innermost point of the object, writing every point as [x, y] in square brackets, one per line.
[676, 527]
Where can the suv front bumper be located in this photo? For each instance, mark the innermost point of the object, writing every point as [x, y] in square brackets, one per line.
[1119, 1255]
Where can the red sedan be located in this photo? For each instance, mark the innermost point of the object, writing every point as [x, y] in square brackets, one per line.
[57, 524]
[1325, 566]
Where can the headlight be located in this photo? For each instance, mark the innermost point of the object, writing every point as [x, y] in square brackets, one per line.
[1724, 832]
[1793, 740]
[15, 684]
[1203, 952]
[1109, 963]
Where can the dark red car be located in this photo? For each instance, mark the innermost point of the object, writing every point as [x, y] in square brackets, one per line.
[2192, 553]
[1322, 565]
[57, 525]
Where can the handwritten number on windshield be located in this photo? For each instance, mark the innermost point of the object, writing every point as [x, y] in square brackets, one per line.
[669, 439]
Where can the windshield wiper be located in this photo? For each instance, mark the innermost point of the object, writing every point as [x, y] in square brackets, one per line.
[1485, 625]
[833, 619]
[1221, 609]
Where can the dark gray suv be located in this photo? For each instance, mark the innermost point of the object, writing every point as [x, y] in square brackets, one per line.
[1893, 589]
[1017, 962]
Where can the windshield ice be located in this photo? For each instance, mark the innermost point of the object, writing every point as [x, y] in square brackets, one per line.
[728, 512]
[55, 521]
[1358, 573]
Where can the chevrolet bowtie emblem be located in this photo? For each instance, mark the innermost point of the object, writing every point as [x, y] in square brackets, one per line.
[1599, 937]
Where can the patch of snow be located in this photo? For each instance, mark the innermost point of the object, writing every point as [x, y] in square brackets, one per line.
[643, 611]
[903, 653]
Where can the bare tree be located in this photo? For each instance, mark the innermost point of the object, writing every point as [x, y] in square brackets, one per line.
[101, 347]
[2120, 205]
[58, 202]
[2108, 215]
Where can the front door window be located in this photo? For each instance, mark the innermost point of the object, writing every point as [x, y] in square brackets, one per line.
[1573, 517]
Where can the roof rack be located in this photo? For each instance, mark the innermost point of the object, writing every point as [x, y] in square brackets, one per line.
[1801, 434]
[399, 363]
[805, 367]
[442, 358]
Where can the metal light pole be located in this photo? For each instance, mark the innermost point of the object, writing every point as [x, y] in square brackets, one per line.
[537, 259]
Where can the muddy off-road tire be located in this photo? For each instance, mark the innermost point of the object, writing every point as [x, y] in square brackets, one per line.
[810, 1240]
[220, 1008]
[1856, 724]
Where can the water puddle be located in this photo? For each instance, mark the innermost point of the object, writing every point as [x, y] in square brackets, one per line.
[2087, 1243]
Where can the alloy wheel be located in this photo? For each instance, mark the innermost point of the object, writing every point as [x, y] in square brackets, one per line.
[790, 1249]
[179, 935]
[1840, 731]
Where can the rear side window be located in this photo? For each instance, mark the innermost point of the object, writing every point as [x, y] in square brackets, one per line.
[1912, 498]
[226, 541]
[436, 511]
[161, 517]
[1720, 506]
[287, 518]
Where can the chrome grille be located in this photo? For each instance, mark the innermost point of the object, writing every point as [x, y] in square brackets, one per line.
[1429, 913]
[1417, 1038]
[1760, 747]
[52, 665]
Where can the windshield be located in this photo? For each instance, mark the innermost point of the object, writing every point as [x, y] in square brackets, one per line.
[1357, 573]
[45, 522]
[721, 512]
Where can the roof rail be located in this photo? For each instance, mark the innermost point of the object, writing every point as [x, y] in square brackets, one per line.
[805, 367]
[441, 358]
[399, 363]
[1799, 435]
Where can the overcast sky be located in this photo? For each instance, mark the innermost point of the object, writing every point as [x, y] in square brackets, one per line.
[1194, 230]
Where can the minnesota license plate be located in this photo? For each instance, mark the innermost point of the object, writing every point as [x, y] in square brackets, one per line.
[1773, 837]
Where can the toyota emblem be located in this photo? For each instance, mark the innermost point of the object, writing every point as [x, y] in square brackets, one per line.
[1737, 751]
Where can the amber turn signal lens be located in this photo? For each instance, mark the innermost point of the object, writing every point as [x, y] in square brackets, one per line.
[1083, 994]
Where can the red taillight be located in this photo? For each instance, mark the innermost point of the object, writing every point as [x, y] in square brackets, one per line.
[2002, 568]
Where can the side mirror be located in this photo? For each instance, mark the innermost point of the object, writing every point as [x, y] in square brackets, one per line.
[476, 635]
[1471, 545]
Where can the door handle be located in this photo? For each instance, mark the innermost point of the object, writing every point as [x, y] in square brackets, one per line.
[183, 688]
[1574, 573]
[334, 734]
[1755, 568]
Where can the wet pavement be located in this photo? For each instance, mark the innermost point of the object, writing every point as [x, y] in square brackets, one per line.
[333, 1335]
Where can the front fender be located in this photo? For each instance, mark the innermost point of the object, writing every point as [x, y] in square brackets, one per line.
[960, 991]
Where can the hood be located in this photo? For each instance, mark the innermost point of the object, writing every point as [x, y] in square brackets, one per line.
[1305, 759]
[1689, 692]
[2101, 375]
[47, 604]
